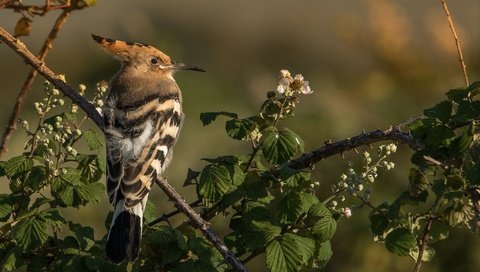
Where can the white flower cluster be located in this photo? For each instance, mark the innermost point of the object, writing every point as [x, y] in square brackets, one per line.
[357, 184]
[289, 85]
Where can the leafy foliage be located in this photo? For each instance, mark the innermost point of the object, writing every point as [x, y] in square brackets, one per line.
[271, 207]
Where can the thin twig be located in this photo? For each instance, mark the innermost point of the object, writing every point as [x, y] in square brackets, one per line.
[422, 244]
[167, 216]
[457, 41]
[27, 86]
[197, 221]
[365, 138]
[19, 47]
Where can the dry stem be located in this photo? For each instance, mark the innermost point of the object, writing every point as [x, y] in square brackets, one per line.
[457, 41]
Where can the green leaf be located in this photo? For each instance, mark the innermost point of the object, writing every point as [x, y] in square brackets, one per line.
[439, 135]
[293, 177]
[279, 146]
[418, 182]
[323, 254]
[70, 246]
[239, 129]
[458, 94]
[260, 233]
[208, 117]
[31, 232]
[93, 139]
[12, 260]
[5, 207]
[400, 241]
[293, 205]
[149, 213]
[52, 217]
[91, 192]
[438, 231]
[84, 235]
[18, 165]
[441, 111]
[37, 175]
[254, 186]
[324, 229]
[289, 253]
[319, 210]
[462, 143]
[214, 182]
[91, 167]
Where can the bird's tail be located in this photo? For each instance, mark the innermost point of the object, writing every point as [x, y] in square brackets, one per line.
[125, 235]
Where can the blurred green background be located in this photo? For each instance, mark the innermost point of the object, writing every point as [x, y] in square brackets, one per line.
[371, 64]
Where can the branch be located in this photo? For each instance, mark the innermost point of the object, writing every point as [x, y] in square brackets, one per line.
[20, 48]
[92, 113]
[366, 138]
[422, 244]
[457, 41]
[27, 86]
[197, 221]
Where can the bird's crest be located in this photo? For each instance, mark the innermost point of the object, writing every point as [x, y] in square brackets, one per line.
[126, 50]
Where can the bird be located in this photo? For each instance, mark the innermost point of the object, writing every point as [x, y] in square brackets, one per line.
[143, 118]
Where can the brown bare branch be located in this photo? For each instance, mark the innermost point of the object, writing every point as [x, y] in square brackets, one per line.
[365, 138]
[197, 221]
[457, 41]
[422, 244]
[19, 47]
[27, 85]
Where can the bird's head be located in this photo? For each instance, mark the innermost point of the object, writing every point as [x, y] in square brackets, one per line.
[142, 57]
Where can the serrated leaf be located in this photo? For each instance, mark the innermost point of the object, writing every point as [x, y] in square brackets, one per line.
[18, 165]
[324, 229]
[31, 232]
[36, 177]
[91, 192]
[319, 210]
[438, 231]
[52, 217]
[289, 253]
[149, 213]
[91, 167]
[239, 129]
[400, 241]
[93, 139]
[84, 235]
[279, 146]
[208, 117]
[260, 233]
[293, 205]
[441, 111]
[214, 182]
[323, 254]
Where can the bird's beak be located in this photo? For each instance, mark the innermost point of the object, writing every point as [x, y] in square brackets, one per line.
[183, 66]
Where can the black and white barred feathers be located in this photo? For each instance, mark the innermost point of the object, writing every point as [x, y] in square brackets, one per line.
[143, 118]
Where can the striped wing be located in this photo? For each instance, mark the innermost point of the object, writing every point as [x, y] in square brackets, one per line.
[140, 146]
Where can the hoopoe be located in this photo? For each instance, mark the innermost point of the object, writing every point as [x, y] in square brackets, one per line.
[144, 117]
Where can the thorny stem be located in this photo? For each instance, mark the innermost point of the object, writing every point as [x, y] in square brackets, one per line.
[457, 41]
[422, 243]
[27, 85]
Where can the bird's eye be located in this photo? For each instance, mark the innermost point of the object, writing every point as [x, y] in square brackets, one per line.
[154, 61]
